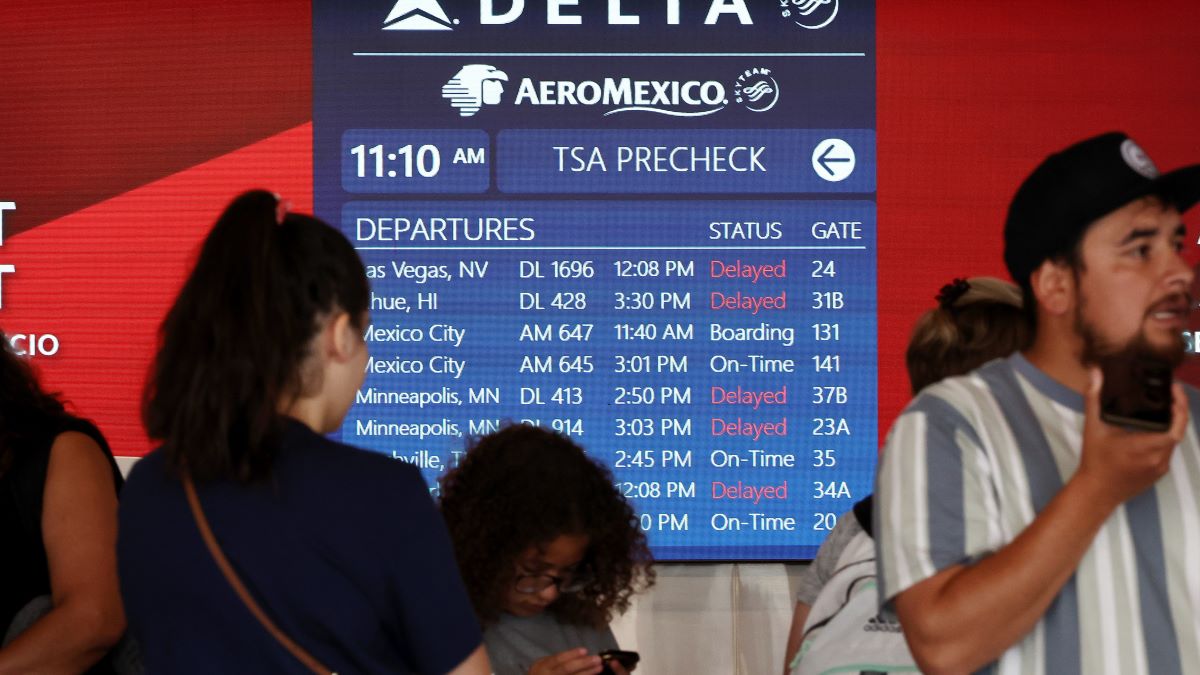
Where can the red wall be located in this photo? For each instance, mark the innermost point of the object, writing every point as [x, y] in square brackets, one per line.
[973, 94]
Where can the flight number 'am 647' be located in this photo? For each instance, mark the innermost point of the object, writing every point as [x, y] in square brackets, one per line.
[549, 332]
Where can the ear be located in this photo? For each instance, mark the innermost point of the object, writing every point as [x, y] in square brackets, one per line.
[1054, 287]
[341, 338]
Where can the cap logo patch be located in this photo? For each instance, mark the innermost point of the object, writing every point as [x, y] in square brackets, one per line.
[1137, 160]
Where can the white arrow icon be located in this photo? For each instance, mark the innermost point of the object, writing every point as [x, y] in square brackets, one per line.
[833, 159]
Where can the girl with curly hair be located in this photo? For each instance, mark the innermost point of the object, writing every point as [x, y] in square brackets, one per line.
[548, 548]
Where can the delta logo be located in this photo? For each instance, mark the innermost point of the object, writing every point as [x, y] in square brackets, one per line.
[477, 85]
[429, 15]
[418, 15]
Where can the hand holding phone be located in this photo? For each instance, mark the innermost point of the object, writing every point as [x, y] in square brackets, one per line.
[1136, 392]
[576, 661]
[1116, 462]
[627, 660]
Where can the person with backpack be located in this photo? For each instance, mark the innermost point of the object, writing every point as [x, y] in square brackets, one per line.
[836, 623]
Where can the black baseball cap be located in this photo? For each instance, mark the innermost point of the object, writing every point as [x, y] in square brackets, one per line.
[1073, 188]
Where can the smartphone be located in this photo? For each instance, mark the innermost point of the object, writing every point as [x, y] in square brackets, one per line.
[627, 659]
[1136, 392]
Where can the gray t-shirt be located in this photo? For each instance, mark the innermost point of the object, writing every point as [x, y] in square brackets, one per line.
[814, 577]
[515, 643]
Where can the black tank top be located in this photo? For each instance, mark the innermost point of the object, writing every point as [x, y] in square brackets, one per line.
[24, 570]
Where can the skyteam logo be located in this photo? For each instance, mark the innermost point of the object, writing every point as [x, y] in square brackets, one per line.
[474, 86]
[810, 14]
[418, 15]
[756, 89]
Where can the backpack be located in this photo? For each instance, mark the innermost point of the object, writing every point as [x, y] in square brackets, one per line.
[845, 633]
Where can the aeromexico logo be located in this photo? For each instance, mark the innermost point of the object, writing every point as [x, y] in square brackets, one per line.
[477, 85]
[422, 15]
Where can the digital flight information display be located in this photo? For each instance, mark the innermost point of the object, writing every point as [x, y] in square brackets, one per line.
[650, 226]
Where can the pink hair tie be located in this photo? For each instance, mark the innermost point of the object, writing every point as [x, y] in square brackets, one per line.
[282, 206]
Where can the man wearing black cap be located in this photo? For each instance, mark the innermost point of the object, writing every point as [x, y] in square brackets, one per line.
[1017, 531]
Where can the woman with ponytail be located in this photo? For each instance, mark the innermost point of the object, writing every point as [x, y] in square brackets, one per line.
[249, 542]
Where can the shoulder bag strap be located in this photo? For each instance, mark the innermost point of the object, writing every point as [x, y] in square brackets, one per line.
[231, 576]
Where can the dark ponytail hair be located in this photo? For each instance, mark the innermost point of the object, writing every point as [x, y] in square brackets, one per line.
[233, 345]
[26, 411]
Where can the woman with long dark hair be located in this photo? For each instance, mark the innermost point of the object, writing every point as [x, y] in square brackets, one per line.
[334, 559]
[60, 610]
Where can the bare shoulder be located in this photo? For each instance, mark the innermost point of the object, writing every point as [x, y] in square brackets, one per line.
[75, 442]
[77, 458]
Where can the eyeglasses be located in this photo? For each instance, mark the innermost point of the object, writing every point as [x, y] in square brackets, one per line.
[570, 582]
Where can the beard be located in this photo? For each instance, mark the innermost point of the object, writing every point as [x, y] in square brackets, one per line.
[1097, 350]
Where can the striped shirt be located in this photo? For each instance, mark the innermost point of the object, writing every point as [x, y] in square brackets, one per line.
[973, 459]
